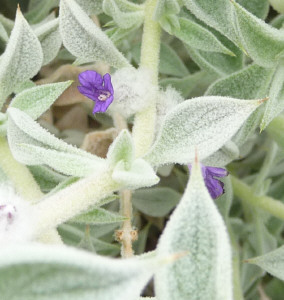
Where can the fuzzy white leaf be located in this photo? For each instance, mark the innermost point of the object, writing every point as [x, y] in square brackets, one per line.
[199, 37]
[215, 13]
[121, 149]
[50, 39]
[22, 58]
[204, 123]
[138, 174]
[91, 7]
[64, 269]
[195, 228]
[33, 145]
[37, 100]
[84, 39]
[164, 7]
[263, 43]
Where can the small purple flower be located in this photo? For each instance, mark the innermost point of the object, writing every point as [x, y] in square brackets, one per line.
[97, 88]
[214, 186]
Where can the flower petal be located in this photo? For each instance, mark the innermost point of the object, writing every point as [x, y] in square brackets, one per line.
[214, 186]
[87, 92]
[90, 79]
[218, 172]
[107, 83]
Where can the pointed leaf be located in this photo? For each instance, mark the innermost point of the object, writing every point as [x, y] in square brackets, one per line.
[22, 58]
[33, 145]
[263, 43]
[50, 39]
[272, 262]
[259, 8]
[84, 39]
[215, 13]
[196, 229]
[139, 174]
[199, 37]
[37, 100]
[52, 272]
[121, 149]
[204, 123]
[166, 7]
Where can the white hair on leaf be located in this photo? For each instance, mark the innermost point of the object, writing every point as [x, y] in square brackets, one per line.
[15, 219]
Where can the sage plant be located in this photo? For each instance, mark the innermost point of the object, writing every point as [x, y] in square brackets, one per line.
[142, 140]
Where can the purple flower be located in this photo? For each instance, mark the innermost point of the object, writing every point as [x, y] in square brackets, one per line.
[97, 88]
[214, 186]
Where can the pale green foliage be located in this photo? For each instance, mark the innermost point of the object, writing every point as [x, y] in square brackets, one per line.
[39, 10]
[50, 39]
[215, 13]
[121, 149]
[7, 23]
[91, 7]
[166, 7]
[205, 124]
[33, 145]
[128, 171]
[124, 18]
[3, 33]
[37, 100]
[275, 104]
[259, 8]
[98, 216]
[22, 58]
[277, 5]
[63, 269]
[271, 262]
[263, 43]
[84, 39]
[170, 63]
[197, 231]
[156, 202]
[199, 37]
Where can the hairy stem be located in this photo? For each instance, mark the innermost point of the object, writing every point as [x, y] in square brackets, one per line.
[246, 194]
[19, 174]
[71, 201]
[144, 126]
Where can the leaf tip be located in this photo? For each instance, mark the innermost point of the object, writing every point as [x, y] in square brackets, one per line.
[262, 100]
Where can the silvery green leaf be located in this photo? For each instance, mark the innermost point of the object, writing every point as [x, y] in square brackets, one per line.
[3, 33]
[197, 230]
[215, 13]
[123, 19]
[155, 202]
[91, 7]
[204, 123]
[117, 35]
[217, 63]
[37, 100]
[50, 39]
[199, 37]
[166, 7]
[170, 62]
[84, 39]
[22, 58]
[98, 216]
[121, 149]
[275, 104]
[64, 269]
[277, 5]
[7, 23]
[24, 86]
[138, 174]
[272, 262]
[263, 43]
[250, 83]
[33, 145]
[39, 9]
[259, 8]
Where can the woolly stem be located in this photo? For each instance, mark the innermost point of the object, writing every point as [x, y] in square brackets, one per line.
[19, 174]
[245, 193]
[144, 126]
[71, 201]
